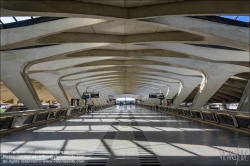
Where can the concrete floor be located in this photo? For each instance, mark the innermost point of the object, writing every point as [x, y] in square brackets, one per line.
[125, 135]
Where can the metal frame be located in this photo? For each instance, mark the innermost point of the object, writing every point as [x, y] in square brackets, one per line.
[214, 113]
[70, 112]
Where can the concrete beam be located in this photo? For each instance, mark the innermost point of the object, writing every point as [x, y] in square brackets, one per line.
[194, 7]
[213, 32]
[230, 98]
[232, 88]
[21, 60]
[73, 37]
[216, 73]
[238, 83]
[85, 9]
[230, 93]
[53, 8]
[30, 35]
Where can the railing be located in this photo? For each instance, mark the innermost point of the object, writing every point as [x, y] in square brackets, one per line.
[10, 121]
[231, 119]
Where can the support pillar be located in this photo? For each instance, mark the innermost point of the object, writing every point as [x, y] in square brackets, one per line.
[187, 87]
[244, 101]
[51, 84]
[73, 93]
[209, 88]
[27, 96]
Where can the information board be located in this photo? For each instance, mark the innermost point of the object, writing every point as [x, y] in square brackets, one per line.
[152, 95]
[94, 95]
[85, 95]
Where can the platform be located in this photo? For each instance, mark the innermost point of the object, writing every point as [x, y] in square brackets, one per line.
[125, 135]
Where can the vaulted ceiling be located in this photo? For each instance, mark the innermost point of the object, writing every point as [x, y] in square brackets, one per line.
[128, 47]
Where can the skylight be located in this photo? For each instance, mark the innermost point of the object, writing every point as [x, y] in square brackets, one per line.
[7, 20]
[238, 18]
[243, 18]
[229, 17]
[22, 18]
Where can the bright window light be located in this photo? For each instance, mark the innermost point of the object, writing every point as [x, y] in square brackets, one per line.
[35, 16]
[243, 18]
[230, 17]
[7, 20]
[239, 18]
[22, 18]
[127, 99]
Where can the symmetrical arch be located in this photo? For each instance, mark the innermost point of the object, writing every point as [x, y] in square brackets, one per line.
[133, 50]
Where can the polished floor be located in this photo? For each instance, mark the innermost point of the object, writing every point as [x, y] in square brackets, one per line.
[125, 135]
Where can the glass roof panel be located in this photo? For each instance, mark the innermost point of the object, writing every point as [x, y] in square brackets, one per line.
[22, 18]
[7, 20]
[238, 18]
[243, 18]
[230, 17]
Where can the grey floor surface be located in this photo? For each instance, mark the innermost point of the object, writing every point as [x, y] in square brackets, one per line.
[125, 135]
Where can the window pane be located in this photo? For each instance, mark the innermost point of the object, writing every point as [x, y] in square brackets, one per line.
[243, 18]
[230, 17]
[22, 18]
[7, 20]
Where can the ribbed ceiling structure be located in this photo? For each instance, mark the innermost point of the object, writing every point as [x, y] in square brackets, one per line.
[185, 49]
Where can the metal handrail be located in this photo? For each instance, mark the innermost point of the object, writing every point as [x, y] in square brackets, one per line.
[230, 112]
[225, 118]
[32, 115]
[31, 112]
[217, 111]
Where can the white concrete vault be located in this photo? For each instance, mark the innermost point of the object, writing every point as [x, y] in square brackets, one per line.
[124, 48]
[8, 97]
